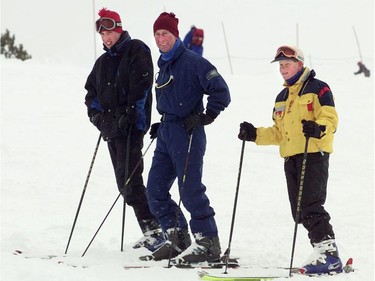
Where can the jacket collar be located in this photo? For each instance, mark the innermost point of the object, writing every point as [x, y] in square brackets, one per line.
[306, 75]
[172, 54]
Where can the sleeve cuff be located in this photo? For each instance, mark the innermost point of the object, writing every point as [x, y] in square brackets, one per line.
[212, 114]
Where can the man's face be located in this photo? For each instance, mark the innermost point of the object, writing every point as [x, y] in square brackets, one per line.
[164, 40]
[289, 68]
[109, 38]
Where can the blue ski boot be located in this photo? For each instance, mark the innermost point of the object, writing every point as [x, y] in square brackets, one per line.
[324, 260]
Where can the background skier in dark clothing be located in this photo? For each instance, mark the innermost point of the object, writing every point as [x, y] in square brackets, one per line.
[184, 78]
[304, 109]
[194, 40]
[362, 69]
[118, 103]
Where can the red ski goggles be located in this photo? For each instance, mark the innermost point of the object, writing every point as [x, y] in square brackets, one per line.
[107, 24]
[286, 51]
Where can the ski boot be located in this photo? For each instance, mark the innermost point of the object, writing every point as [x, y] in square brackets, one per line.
[324, 260]
[178, 240]
[153, 236]
[205, 249]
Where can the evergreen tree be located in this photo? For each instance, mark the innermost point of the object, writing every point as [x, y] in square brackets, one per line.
[9, 49]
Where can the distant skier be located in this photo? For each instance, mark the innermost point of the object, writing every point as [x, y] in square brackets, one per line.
[194, 40]
[304, 109]
[362, 69]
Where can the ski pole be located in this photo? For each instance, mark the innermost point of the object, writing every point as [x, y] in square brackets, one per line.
[299, 200]
[356, 39]
[179, 202]
[227, 251]
[83, 192]
[125, 188]
[118, 196]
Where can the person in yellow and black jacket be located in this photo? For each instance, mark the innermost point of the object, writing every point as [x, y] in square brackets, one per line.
[303, 110]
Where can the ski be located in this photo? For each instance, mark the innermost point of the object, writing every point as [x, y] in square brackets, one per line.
[179, 263]
[176, 263]
[43, 257]
[348, 266]
[203, 275]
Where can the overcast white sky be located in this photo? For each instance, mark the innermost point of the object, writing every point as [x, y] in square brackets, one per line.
[63, 30]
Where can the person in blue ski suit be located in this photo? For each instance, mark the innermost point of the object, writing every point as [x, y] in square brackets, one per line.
[188, 42]
[182, 81]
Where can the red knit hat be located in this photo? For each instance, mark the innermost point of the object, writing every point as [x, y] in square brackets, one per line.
[104, 13]
[167, 21]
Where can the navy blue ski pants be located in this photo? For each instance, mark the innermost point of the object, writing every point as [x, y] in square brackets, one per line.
[169, 162]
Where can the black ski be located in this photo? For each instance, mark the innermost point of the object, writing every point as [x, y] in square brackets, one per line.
[177, 263]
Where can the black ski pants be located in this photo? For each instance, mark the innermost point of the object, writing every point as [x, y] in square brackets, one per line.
[135, 193]
[313, 216]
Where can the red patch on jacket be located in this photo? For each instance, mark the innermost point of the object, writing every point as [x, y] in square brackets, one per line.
[310, 106]
[323, 91]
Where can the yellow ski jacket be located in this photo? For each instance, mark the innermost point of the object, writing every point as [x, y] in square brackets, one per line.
[309, 99]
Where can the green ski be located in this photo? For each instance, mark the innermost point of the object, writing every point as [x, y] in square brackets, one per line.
[203, 275]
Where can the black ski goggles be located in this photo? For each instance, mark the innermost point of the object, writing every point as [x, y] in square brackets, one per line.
[107, 24]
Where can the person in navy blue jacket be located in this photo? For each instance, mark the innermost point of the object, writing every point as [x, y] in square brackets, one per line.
[194, 40]
[181, 84]
[118, 103]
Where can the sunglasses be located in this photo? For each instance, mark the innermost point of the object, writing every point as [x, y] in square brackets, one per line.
[107, 24]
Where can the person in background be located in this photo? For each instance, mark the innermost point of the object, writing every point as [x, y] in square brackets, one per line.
[362, 69]
[118, 103]
[303, 110]
[181, 84]
[194, 40]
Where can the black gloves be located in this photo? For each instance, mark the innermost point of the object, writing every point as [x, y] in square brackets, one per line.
[96, 120]
[247, 132]
[312, 130]
[129, 118]
[195, 120]
[154, 130]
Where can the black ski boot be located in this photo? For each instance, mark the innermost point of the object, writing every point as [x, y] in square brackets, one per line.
[177, 241]
[204, 249]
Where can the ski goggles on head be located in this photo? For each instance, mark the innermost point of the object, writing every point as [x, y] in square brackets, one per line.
[286, 52]
[107, 24]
